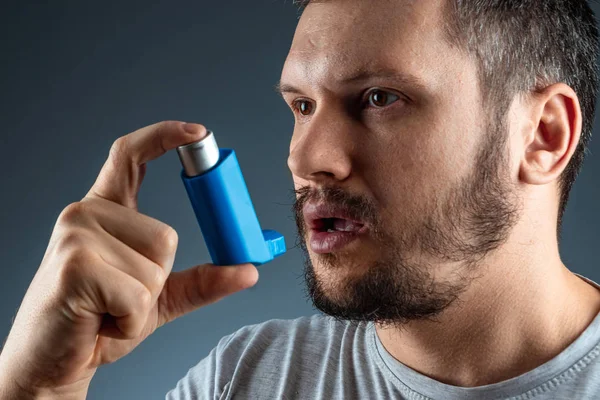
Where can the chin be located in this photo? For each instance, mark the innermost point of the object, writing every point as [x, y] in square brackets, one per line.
[340, 268]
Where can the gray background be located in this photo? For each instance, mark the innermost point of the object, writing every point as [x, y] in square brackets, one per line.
[77, 75]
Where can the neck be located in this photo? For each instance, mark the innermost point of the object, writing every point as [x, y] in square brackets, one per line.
[525, 309]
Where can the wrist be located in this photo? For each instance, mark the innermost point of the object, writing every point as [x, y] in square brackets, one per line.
[12, 389]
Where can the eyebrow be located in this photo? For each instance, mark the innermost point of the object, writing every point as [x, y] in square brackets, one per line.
[361, 76]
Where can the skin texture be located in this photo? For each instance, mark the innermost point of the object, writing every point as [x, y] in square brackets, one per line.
[462, 258]
[105, 283]
[425, 171]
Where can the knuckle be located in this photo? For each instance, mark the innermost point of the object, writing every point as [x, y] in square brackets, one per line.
[144, 297]
[120, 143]
[74, 266]
[166, 238]
[165, 124]
[71, 240]
[73, 213]
[159, 278]
[119, 147]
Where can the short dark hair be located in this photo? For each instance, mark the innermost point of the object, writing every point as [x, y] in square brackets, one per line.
[526, 45]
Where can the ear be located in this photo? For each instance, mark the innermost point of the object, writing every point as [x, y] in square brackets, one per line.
[549, 146]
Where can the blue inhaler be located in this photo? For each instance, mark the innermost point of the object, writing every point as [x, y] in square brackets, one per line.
[220, 199]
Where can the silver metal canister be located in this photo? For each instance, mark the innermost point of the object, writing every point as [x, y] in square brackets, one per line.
[200, 156]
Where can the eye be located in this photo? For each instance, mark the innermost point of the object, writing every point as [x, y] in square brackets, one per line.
[380, 98]
[304, 107]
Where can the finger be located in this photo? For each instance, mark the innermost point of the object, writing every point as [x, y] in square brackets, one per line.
[129, 307]
[110, 290]
[148, 236]
[121, 176]
[188, 290]
[124, 258]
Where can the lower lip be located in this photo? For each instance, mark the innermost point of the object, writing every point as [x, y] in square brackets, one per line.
[329, 242]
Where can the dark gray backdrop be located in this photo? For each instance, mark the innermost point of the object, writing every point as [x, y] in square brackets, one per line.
[77, 75]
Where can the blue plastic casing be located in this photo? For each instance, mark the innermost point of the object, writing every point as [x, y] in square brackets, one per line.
[227, 219]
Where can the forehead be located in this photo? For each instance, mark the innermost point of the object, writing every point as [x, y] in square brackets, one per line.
[340, 38]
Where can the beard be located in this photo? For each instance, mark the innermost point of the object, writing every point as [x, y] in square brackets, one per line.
[456, 233]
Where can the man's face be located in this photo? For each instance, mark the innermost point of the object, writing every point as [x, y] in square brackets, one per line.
[389, 128]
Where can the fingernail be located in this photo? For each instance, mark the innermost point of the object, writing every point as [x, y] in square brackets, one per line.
[192, 128]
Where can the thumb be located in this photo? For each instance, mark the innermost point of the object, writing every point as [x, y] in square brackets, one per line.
[188, 290]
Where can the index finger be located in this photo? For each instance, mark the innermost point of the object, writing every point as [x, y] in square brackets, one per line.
[122, 174]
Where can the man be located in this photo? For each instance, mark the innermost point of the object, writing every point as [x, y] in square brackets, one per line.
[434, 149]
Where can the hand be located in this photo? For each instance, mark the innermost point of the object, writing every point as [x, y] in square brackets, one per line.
[105, 282]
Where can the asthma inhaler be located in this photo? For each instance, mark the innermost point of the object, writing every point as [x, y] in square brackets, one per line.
[220, 199]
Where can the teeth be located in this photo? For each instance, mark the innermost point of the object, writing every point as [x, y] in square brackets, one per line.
[345, 225]
[342, 225]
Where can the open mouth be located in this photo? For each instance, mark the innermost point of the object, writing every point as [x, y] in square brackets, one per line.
[332, 228]
[336, 225]
[333, 234]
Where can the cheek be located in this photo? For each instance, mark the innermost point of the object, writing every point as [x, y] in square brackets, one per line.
[417, 162]
[519, 129]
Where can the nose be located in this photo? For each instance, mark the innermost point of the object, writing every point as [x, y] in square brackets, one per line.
[321, 149]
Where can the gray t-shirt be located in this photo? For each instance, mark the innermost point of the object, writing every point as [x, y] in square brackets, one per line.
[318, 357]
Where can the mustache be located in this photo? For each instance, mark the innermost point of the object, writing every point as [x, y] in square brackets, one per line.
[357, 205]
